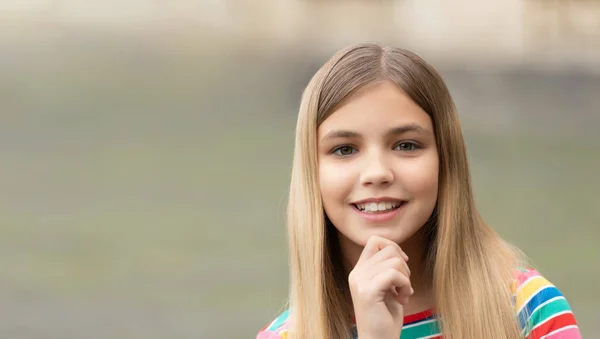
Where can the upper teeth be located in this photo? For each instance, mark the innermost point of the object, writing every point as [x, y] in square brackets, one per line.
[374, 206]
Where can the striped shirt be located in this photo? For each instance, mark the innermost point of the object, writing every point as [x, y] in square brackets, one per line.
[543, 313]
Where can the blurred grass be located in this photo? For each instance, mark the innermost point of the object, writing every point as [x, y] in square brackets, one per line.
[144, 189]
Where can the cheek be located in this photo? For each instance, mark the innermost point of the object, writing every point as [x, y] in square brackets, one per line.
[334, 183]
[420, 178]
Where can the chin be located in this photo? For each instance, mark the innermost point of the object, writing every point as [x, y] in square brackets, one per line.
[395, 235]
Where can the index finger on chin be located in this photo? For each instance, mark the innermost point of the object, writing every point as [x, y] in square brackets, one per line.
[374, 245]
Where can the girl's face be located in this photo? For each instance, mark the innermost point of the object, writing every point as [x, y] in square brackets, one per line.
[378, 165]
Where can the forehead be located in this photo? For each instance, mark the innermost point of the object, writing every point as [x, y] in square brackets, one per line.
[375, 108]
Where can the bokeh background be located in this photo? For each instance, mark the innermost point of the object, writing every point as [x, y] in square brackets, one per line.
[146, 146]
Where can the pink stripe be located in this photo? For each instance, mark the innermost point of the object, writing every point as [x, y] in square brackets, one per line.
[267, 335]
[569, 333]
[523, 276]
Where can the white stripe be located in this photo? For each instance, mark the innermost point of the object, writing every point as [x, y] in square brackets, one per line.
[533, 295]
[430, 336]
[537, 308]
[559, 330]
[545, 303]
[526, 282]
[545, 321]
[419, 323]
[271, 324]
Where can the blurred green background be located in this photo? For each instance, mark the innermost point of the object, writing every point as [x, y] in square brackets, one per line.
[144, 163]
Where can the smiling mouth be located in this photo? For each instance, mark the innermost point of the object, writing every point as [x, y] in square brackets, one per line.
[378, 207]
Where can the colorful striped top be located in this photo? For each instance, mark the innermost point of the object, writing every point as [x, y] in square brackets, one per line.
[543, 313]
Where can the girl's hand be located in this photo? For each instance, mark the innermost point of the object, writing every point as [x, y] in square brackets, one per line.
[380, 286]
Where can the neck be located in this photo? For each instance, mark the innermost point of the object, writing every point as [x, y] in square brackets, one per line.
[421, 280]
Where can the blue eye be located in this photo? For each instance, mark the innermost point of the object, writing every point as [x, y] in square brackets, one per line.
[343, 151]
[406, 146]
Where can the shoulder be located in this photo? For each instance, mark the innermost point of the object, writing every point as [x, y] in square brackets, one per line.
[277, 328]
[542, 309]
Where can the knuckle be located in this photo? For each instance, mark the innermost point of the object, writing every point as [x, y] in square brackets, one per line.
[389, 250]
[399, 249]
[401, 277]
[397, 263]
[352, 279]
[391, 272]
[392, 248]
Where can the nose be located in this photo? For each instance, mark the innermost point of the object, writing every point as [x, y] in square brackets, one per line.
[377, 171]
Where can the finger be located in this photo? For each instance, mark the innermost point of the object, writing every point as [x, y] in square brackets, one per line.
[403, 294]
[391, 278]
[390, 251]
[400, 298]
[395, 246]
[396, 263]
[397, 285]
[370, 270]
[375, 244]
[371, 248]
[384, 242]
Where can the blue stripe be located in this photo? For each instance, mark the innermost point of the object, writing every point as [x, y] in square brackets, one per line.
[420, 320]
[541, 297]
[279, 321]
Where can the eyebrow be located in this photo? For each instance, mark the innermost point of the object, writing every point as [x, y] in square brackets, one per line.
[392, 131]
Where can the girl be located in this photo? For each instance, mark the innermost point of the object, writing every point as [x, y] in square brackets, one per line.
[384, 236]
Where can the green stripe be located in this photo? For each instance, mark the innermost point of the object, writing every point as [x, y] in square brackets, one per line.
[420, 330]
[547, 311]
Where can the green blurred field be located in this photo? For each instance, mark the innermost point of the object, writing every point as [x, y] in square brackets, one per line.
[144, 187]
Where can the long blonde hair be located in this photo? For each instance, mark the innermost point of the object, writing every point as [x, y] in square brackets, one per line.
[471, 267]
